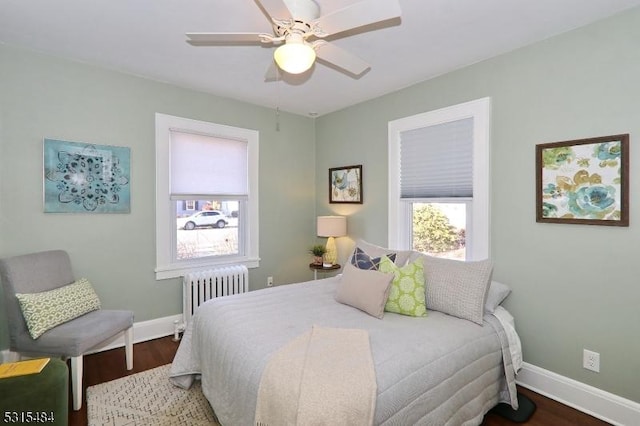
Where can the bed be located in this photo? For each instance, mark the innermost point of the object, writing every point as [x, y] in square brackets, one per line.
[438, 369]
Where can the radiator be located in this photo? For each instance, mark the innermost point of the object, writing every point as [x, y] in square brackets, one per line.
[201, 286]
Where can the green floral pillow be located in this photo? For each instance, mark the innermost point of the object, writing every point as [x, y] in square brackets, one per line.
[43, 311]
[407, 295]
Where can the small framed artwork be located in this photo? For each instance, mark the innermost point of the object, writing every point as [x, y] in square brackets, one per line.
[345, 184]
[583, 181]
[86, 178]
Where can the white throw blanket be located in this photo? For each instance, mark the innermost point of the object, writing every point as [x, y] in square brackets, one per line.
[323, 377]
[515, 346]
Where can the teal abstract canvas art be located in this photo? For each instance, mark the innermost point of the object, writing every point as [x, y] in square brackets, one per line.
[86, 178]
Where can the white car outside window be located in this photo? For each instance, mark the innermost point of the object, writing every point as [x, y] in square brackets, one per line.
[212, 218]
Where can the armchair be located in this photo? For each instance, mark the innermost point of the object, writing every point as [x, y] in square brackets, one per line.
[49, 270]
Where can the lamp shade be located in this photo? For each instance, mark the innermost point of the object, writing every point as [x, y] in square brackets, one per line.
[332, 226]
[295, 56]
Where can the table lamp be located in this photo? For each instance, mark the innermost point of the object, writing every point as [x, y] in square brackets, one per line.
[331, 226]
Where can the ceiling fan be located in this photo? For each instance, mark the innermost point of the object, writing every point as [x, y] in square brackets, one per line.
[299, 30]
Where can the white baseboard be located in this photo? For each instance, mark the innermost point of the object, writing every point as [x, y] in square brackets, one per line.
[588, 399]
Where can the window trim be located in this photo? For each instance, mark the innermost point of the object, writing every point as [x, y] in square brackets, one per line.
[166, 266]
[399, 214]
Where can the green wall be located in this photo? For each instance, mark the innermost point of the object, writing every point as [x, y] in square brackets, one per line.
[574, 286]
[42, 96]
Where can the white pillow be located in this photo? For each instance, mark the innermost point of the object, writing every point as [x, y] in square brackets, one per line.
[496, 295]
[364, 289]
[457, 288]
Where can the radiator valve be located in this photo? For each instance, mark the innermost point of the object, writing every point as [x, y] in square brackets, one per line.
[176, 331]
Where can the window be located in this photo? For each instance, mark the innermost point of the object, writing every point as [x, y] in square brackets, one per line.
[209, 232]
[439, 182]
[206, 195]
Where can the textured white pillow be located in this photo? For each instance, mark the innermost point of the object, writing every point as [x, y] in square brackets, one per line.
[364, 289]
[457, 288]
[496, 295]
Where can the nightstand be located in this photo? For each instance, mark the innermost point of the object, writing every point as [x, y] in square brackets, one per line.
[315, 268]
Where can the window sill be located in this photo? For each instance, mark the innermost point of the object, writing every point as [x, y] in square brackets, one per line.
[176, 271]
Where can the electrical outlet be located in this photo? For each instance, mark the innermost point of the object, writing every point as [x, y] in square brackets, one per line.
[269, 281]
[591, 360]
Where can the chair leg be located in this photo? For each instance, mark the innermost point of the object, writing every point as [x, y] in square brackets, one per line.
[76, 381]
[128, 347]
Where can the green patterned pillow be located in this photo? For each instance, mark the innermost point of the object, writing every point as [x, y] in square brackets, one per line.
[43, 311]
[407, 295]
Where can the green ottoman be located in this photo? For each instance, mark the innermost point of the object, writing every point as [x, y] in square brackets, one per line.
[40, 398]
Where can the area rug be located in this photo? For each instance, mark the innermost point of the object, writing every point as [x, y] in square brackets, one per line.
[147, 398]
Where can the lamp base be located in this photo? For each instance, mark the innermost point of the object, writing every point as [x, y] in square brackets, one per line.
[331, 255]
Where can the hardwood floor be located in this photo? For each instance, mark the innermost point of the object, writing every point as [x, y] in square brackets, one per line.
[110, 365]
[548, 413]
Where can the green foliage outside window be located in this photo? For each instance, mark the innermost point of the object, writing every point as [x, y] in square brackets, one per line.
[432, 231]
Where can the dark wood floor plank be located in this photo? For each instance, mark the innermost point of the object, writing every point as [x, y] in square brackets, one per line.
[110, 365]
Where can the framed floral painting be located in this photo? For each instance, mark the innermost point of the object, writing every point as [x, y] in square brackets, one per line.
[86, 178]
[583, 181]
[345, 184]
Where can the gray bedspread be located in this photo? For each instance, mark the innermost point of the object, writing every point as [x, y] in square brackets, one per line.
[434, 370]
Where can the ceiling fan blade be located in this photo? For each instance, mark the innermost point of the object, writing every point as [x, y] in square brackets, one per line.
[209, 39]
[273, 73]
[357, 15]
[341, 58]
[276, 9]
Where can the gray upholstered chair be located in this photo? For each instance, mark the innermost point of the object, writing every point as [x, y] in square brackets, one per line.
[38, 272]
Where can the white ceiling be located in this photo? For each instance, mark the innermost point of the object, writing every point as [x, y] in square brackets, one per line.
[147, 38]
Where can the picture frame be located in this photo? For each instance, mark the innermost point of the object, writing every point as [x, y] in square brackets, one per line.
[85, 178]
[584, 181]
[345, 185]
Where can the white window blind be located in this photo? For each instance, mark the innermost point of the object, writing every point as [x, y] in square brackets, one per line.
[437, 161]
[208, 165]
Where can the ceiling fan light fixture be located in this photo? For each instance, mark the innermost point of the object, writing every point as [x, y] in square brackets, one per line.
[295, 57]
